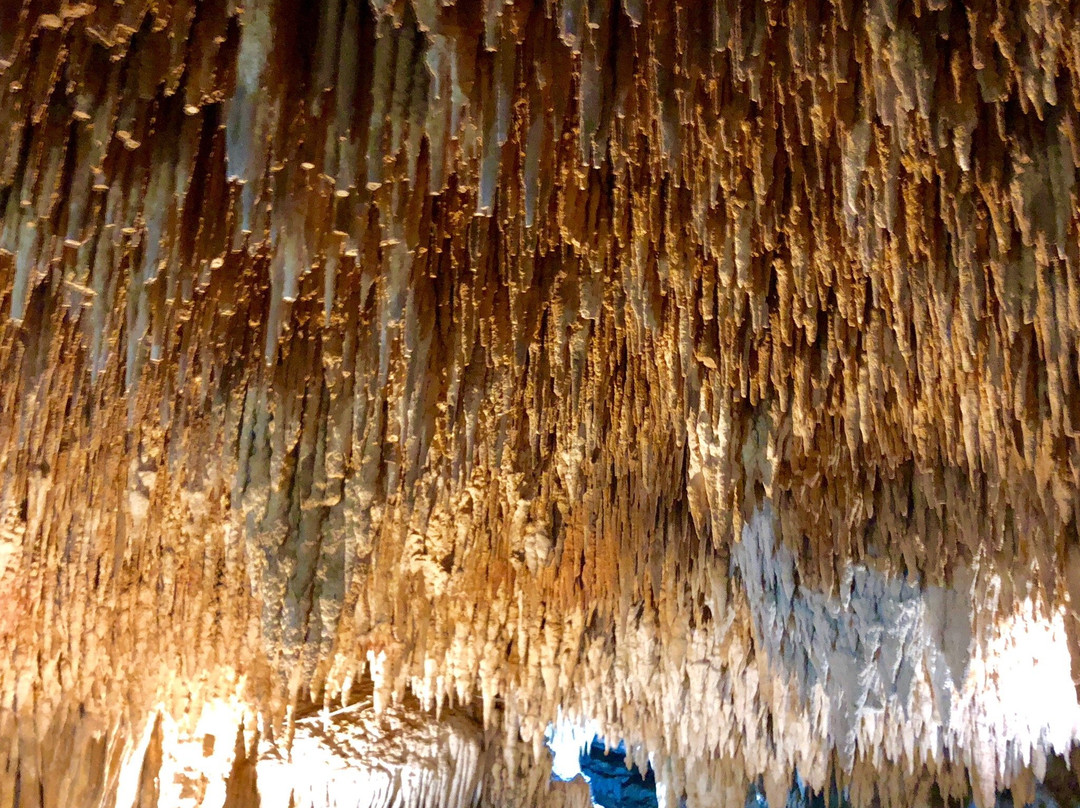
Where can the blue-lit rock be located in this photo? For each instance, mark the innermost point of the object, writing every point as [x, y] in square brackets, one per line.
[612, 784]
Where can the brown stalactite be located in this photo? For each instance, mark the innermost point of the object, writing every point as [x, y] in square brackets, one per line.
[708, 370]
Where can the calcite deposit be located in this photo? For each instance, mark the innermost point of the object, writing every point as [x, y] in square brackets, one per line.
[703, 371]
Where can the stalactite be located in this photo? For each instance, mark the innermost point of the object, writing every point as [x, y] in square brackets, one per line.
[704, 370]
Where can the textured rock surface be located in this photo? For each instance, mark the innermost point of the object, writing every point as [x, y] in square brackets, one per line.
[708, 370]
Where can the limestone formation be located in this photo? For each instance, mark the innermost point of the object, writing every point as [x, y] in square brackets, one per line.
[705, 371]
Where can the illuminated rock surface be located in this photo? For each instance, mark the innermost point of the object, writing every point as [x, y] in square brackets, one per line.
[707, 370]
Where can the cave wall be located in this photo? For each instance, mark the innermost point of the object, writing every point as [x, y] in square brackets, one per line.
[707, 370]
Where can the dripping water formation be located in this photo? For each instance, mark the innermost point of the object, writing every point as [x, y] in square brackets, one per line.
[383, 382]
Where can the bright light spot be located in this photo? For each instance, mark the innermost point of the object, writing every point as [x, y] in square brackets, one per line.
[1019, 693]
[567, 741]
[1028, 657]
[131, 768]
[196, 756]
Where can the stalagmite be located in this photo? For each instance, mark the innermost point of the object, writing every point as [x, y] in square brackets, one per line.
[385, 383]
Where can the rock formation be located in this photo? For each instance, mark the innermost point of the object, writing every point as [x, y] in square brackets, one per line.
[708, 370]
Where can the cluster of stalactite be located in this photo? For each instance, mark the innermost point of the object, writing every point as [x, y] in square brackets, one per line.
[706, 369]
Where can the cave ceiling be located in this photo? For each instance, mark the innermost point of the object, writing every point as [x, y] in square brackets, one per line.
[382, 382]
